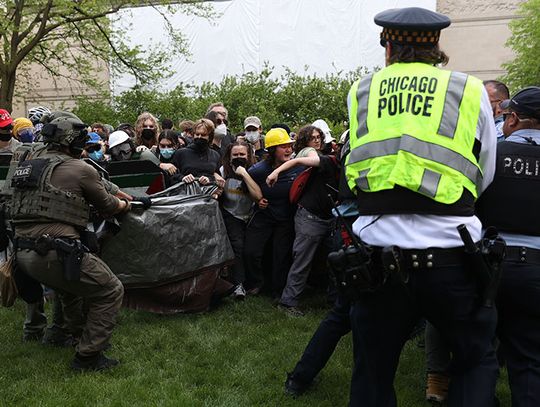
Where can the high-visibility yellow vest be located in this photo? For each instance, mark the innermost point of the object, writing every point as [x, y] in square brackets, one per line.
[414, 125]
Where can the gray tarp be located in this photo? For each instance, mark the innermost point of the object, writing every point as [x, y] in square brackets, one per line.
[178, 237]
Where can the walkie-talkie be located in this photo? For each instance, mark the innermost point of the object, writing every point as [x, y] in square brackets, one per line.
[351, 265]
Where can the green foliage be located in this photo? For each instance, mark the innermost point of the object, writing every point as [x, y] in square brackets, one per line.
[292, 98]
[524, 70]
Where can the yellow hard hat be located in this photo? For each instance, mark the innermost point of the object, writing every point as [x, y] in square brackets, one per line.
[277, 137]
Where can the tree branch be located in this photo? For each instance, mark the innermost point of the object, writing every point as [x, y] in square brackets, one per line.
[44, 29]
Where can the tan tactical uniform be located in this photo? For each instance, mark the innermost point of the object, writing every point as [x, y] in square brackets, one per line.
[100, 288]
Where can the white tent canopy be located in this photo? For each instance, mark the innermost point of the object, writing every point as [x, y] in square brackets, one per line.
[326, 36]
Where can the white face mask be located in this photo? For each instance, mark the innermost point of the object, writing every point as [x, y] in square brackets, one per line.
[252, 136]
[220, 131]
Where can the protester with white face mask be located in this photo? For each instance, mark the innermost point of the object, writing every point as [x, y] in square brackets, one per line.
[253, 135]
[222, 118]
[220, 132]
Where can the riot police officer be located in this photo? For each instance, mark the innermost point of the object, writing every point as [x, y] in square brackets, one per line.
[511, 204]
[422, 150]
[50, 204]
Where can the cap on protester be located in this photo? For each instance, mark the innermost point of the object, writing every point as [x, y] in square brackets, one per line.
[93, 138]
[526, 102]
[117, 137]
[277, 137]
[411, 26]
[21, 123]
[252, 121]
[5, 118]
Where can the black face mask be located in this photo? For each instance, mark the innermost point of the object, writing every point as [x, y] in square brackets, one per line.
[121, 152]
[5, 137]
[200, 144]
[239, 162]
[148, 134]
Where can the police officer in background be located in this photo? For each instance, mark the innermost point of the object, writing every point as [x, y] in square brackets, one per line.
[422, 150]
[511, 204]
[52, 191]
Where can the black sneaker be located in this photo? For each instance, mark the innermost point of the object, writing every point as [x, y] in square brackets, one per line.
[93, 363]
[294, 387]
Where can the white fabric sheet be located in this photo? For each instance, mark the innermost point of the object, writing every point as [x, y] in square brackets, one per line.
[326, 36]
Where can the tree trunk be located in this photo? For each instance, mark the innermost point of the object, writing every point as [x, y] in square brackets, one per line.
[7, 89]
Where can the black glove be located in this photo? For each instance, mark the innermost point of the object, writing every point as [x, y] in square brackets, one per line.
[144, 200]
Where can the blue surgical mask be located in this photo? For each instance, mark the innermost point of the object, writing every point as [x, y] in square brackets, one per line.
[166, 152]
[96, 155]
[499, 119]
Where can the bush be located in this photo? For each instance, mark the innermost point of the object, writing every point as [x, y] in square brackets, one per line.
[292, 98]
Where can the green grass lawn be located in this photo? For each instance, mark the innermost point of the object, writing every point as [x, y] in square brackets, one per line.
[236, 355]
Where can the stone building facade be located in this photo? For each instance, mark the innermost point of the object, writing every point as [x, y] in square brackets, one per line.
[475, 42]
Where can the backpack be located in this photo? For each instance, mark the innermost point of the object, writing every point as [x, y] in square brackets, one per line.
[299, 184]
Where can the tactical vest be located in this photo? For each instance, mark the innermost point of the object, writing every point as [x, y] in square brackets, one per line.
[36, 200]
[412, 137]
[512, 201]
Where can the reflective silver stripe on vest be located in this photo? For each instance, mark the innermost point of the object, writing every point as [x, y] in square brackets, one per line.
[362, 180]
[362, 97]
[430, 183]
[422, 149]
[452, 101]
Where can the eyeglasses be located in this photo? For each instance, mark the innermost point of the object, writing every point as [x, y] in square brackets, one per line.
[93, 149]
[521, 119]
[315, 138]
[495, 102]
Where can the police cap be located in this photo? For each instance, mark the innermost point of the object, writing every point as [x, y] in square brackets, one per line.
[526, 102]
[411, 26]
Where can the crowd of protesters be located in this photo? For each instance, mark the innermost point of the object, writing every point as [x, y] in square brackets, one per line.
[254, 171]
[276, 230]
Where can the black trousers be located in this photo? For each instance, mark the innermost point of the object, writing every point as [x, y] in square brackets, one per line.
[236, 230]
[320, 348]
[447, 297]
[519, 330]
[259, 231]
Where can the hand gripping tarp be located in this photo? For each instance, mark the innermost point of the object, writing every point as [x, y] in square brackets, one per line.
[180, 236]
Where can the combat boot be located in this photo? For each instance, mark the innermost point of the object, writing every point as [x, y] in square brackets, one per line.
[92, 363]
[437, 387]
[295, 387]
[58, 337]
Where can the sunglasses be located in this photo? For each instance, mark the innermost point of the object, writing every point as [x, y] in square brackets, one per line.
[93, 149]
[222, 121]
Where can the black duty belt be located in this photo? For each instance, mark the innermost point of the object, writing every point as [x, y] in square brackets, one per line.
[427, 258]
[522, 254]
[42, 244]
[32, 244]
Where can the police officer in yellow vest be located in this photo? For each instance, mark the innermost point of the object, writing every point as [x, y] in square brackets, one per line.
[422, 151]
[52, 191]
